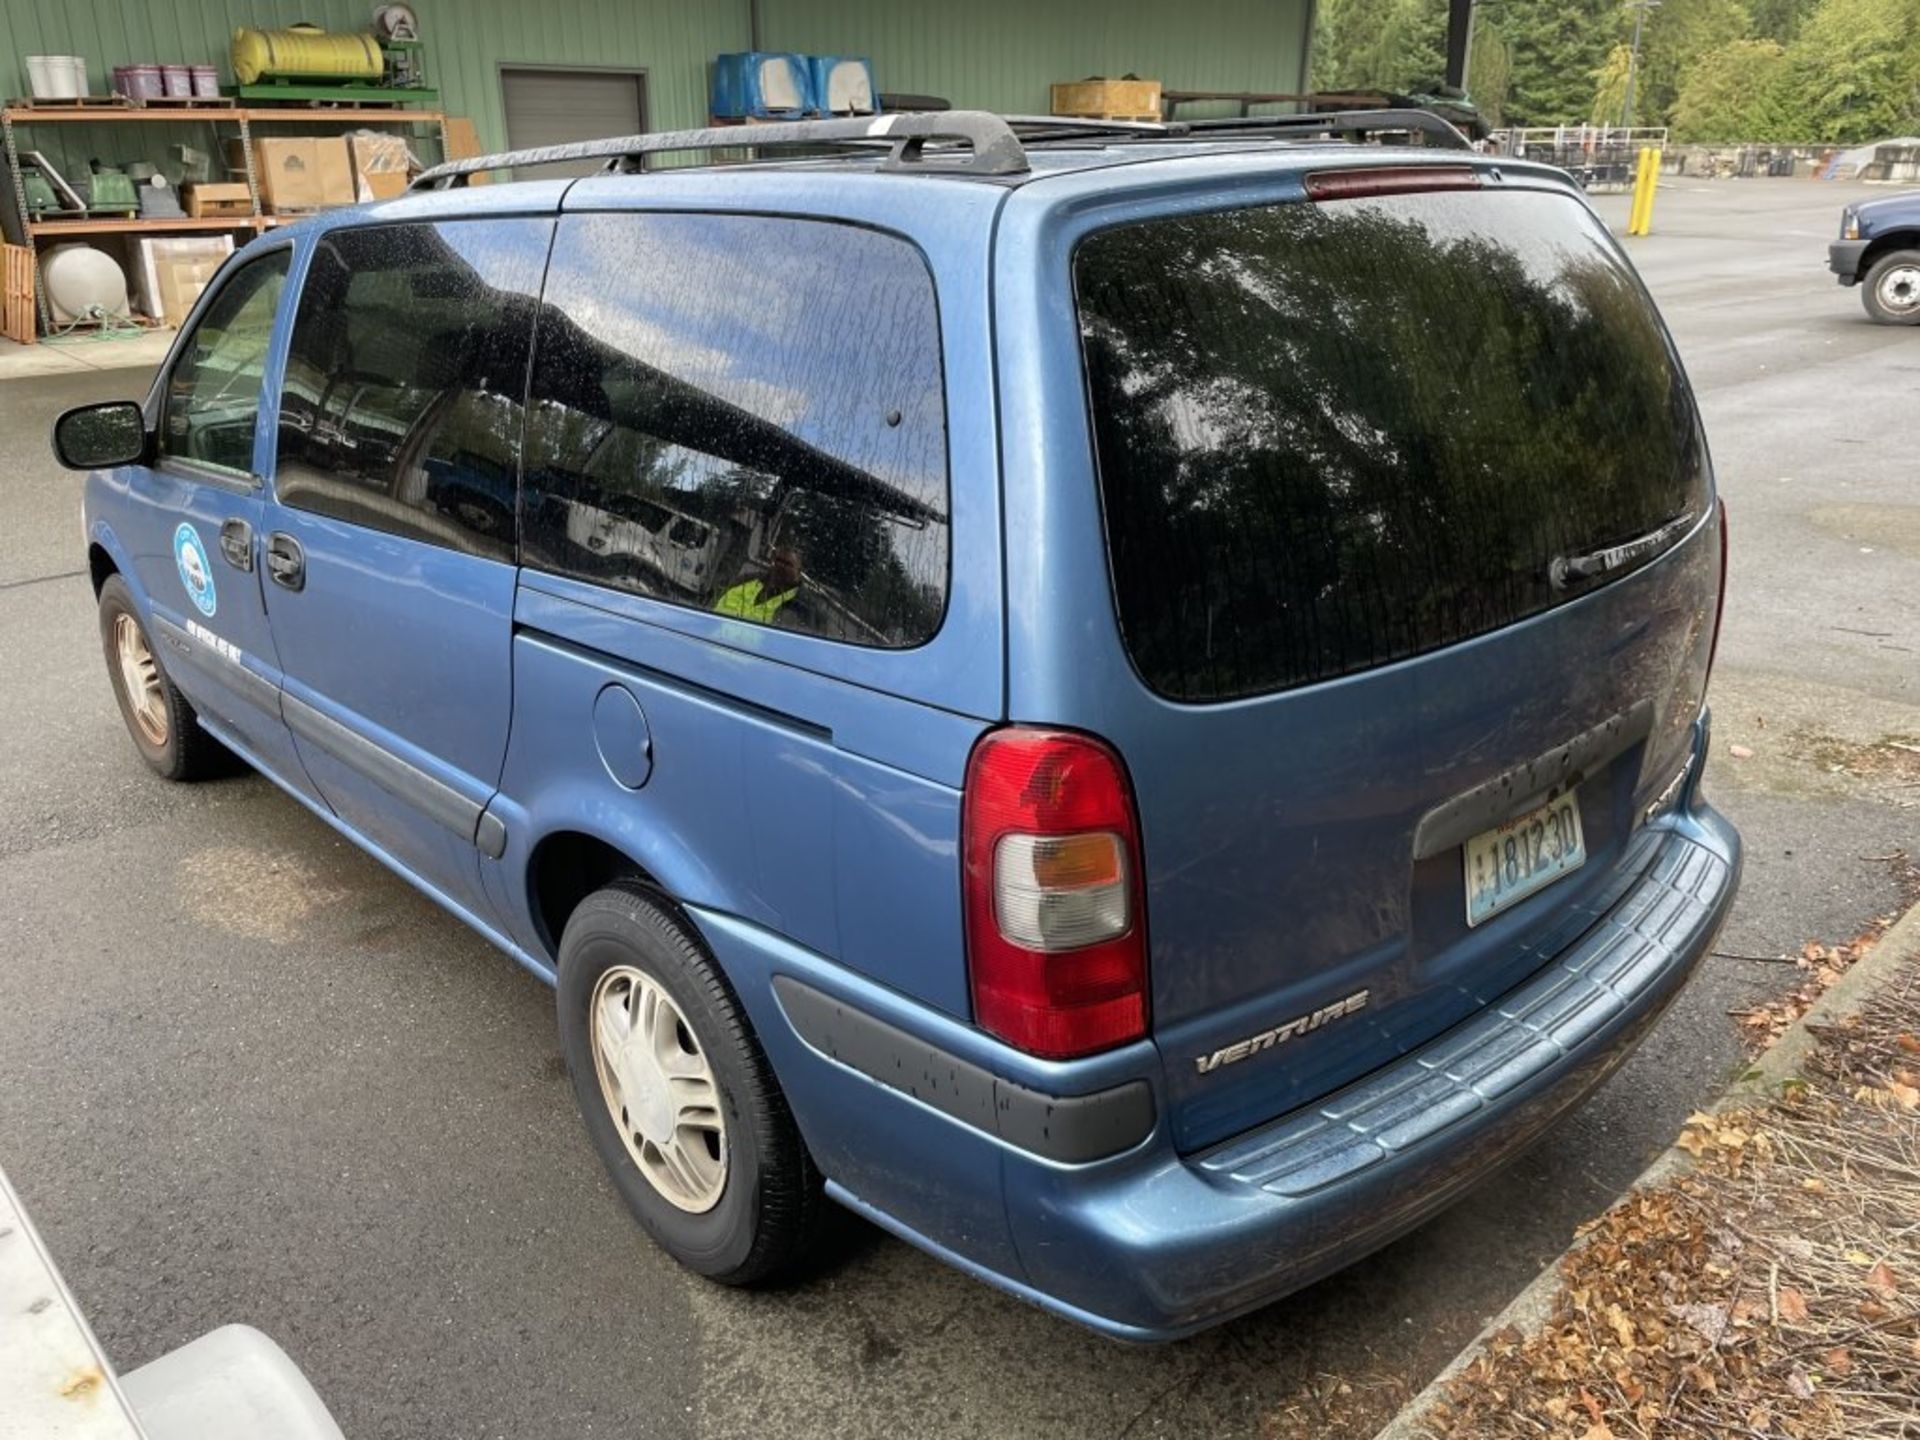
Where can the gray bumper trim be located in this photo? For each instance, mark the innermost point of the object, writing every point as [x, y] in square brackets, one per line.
[1073, 1129]
[1678, 897]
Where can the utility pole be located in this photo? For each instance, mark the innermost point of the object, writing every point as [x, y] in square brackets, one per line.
[1640, 9]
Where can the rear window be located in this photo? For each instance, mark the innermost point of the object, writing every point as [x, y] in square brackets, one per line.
[1330, 436]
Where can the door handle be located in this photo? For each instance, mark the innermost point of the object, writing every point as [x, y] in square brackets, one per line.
[236, 543]
[286, 561]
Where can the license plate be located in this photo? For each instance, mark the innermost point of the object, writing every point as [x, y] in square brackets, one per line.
[1506, 864]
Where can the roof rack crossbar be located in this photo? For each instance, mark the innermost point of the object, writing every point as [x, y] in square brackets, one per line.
[1353, 124]
[991, 146]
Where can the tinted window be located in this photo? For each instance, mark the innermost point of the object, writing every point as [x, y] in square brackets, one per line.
[402, 408]
[743, 415]
[213, 394]
[1330, 436]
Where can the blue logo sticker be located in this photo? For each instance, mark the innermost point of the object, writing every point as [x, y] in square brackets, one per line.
[195, 573]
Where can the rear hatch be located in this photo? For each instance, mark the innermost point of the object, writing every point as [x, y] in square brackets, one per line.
[1408, 513]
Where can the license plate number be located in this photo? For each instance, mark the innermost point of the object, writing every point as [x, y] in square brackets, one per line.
[1506, 864]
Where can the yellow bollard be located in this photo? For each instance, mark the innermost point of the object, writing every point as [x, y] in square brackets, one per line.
[1646, 181]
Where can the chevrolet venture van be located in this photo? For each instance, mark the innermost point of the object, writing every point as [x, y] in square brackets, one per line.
[1124, 701]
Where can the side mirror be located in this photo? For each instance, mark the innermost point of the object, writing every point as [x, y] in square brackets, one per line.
[98, 437]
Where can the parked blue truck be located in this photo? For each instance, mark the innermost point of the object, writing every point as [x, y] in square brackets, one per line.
[1879, 250]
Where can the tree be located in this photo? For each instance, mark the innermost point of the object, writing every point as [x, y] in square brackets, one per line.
[1673, 35]
[1555, 50]
[1738, 92]
[1379, 44]
[1854, 70]
[1489, 71]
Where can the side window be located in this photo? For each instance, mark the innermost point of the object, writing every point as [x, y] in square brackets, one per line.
[745, 415]
[402, 408]
[213, 394]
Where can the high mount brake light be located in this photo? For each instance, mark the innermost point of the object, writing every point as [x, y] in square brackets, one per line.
[1056, 924]
[1389, 180]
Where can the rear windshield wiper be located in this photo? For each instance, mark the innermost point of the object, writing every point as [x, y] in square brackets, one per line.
[1567, 569]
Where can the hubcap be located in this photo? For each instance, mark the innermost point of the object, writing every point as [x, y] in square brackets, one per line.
[1900, 289]
[140, 677]
[659, 1089]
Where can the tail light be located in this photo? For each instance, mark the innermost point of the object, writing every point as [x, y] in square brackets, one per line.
[1056, 926]
[1720, 605]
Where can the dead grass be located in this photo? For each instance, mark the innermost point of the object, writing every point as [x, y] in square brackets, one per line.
[1772, 1293]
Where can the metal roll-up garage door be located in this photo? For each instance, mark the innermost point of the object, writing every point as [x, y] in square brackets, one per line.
[555, 107]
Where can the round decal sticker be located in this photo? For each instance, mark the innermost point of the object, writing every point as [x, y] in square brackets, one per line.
[195, 573]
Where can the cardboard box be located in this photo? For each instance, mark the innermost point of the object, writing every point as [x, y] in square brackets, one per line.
[298, 173]
[174, 269]
[220, 199]
[382, 165]
[1099, 98]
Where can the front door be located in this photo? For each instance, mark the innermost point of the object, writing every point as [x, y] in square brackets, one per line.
[193, 517]
[389, 553]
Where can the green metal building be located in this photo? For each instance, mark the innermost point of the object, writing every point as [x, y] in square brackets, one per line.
[505, 63]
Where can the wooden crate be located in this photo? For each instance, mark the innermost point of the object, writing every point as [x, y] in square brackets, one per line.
[219, 200]
[1101, 99]
[17, 317]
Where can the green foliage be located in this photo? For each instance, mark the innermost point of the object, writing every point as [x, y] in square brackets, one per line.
[1379, 44]
[1854, 70]
[1738, 92]
[1674, 37]
[1490, 73]
[1815, 71]
[1556, 49]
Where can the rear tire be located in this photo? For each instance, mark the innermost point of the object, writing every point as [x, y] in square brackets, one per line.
[691, 1124]
[1891, 291]
[160, 720]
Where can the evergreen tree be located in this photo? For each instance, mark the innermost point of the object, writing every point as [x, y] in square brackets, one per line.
[1738, 92]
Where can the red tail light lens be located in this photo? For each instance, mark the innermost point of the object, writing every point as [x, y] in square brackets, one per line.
[1056, 926]
[1720, 605]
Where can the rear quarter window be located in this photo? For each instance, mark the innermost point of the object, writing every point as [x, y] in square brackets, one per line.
[744, 415]
[1330, 436]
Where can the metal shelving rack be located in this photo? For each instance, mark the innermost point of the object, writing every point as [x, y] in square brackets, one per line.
[242, 118]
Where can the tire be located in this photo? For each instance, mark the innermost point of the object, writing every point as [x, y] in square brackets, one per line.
[768, 1203]
[1891, 291]
[160, 720]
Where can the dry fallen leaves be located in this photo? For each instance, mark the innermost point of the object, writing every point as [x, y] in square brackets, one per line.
[1764, 1293]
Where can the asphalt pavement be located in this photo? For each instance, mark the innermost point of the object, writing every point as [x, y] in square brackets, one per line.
[246, 1074]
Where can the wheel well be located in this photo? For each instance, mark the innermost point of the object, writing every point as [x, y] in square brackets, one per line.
[566, 868]
[100, 565]
[1898, 240]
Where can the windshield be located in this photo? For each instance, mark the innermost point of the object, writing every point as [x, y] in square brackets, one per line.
[1330, 436]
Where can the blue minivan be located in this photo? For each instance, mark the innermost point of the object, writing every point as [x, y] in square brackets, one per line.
[1125, 701]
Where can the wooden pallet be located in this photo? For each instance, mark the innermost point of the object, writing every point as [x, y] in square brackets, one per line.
[16, 300]
[73, 102]
[187, 102]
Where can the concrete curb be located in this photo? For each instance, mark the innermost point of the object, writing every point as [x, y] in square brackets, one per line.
[1779, 1062]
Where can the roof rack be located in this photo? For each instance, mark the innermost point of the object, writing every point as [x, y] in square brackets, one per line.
[1350, 124]
[991, 146]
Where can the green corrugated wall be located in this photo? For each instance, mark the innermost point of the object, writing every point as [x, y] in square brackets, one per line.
[1002, 54]
[996, 54]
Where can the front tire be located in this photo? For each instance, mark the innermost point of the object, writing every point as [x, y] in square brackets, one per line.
[1891, 291]
[676, 1094]
[160, 720]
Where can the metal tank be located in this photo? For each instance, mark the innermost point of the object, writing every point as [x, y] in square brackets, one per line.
[305, 52]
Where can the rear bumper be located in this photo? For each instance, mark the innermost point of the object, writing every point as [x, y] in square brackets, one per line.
[1843, 259]
[937, 1141]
